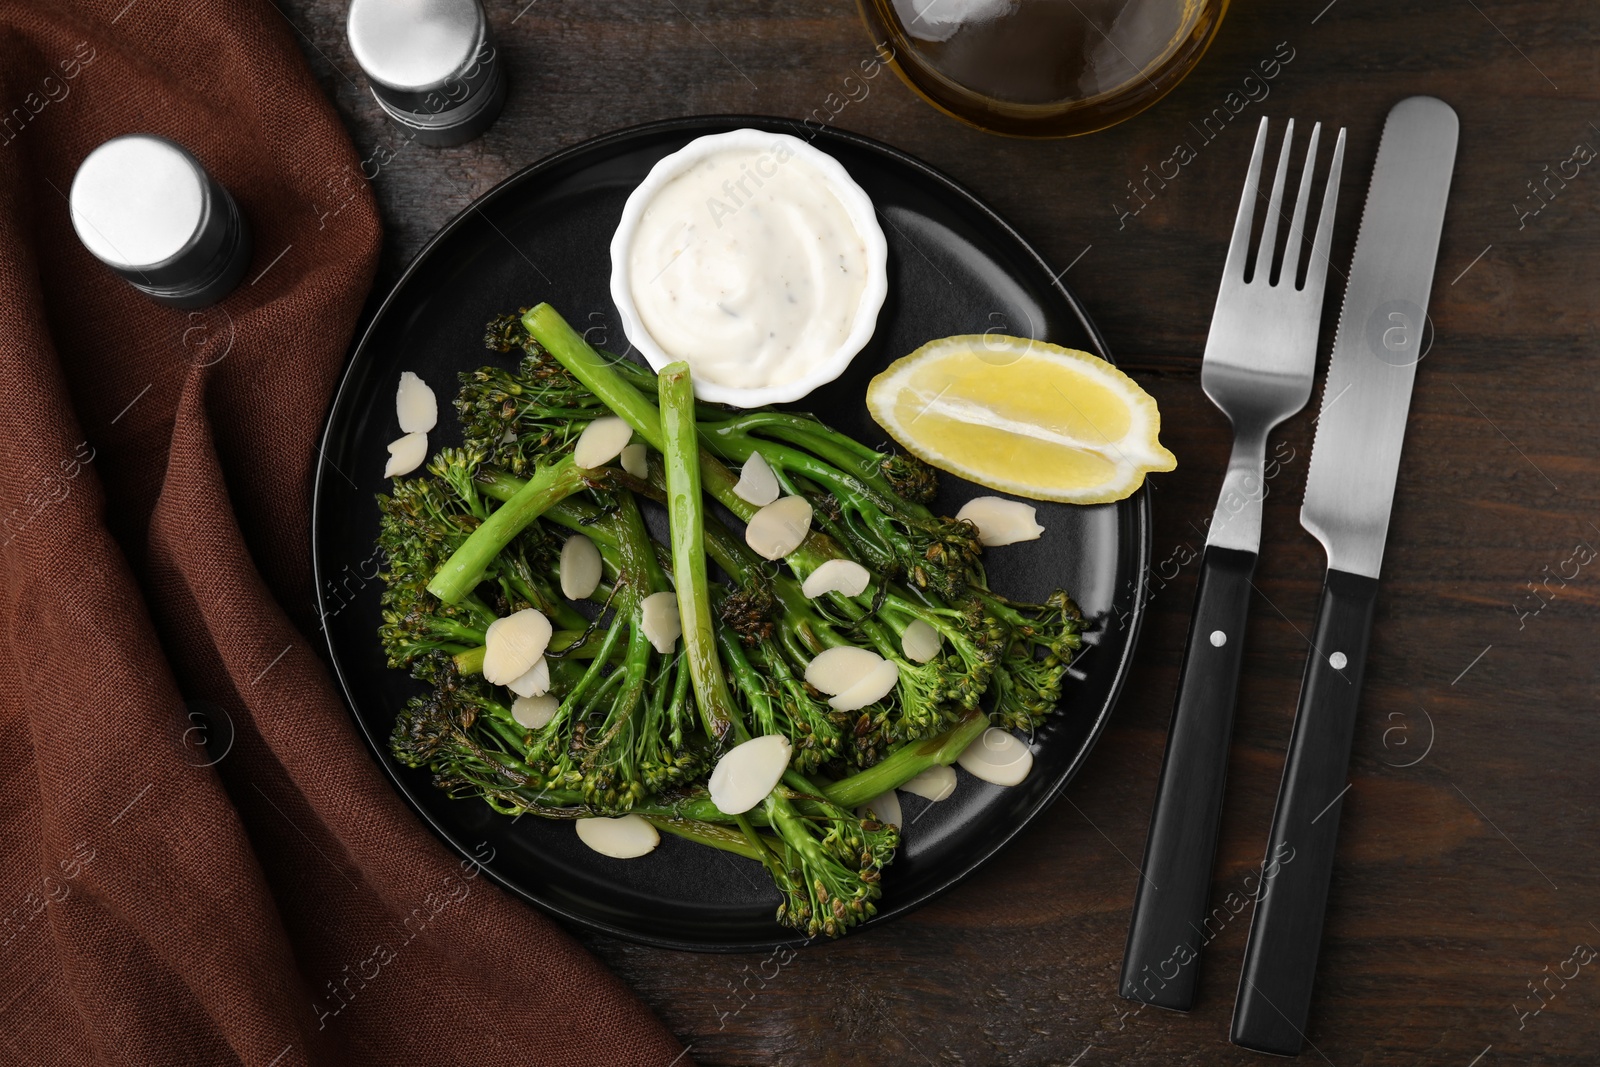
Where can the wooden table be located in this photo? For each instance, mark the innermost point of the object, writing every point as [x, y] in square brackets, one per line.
[1466, 873]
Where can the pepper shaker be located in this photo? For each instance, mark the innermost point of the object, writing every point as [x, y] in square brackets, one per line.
[146, 208]
[432, 66]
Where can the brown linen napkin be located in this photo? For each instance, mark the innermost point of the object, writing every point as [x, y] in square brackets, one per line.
[269, 901]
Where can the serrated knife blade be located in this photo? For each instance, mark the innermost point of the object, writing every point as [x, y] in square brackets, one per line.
[1350, 487]
[1355, 456]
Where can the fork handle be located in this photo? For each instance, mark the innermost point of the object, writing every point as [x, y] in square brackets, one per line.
[1280, 957]
[1161, 963]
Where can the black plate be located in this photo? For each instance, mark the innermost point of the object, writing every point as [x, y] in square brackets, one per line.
[543, 234]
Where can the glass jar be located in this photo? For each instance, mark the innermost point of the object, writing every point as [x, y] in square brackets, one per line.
[1042, 68]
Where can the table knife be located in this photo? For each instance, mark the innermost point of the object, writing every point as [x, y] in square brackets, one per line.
[1349, 494]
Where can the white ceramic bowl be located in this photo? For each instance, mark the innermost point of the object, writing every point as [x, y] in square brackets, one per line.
[858, 207]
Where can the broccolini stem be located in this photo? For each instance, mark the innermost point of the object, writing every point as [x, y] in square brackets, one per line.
[499, 485]
[579, 516]
[462, 633]
[608, 648]
[894, 771]
[685, 512]
[574, 644]
[908, 761]
[845, 452]
[633, 407]
[837, 448]
[763, 844]
[750, 683]
[595, 371]
[644, 380]
[739, 448]
[679, 714]
[462, 572]
[704, 833]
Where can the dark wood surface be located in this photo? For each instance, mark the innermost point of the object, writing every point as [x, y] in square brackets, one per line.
[1467, 864]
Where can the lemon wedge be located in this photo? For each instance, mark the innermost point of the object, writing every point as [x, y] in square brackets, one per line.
[1023, 417]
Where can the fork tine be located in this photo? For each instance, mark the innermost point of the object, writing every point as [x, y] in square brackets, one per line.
[1317, 268]
[1269, 228]
[1239, 247]
[1292, 252]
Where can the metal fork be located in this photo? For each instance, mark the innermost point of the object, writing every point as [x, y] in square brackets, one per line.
[1259, 360]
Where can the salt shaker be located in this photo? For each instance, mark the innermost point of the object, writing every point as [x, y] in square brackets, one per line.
[146, 208]
[432, 66]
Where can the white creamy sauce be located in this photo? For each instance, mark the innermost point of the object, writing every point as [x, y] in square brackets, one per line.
[748, 266]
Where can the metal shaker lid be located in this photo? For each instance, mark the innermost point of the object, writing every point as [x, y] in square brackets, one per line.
[147, 209]
[431, 64]
[414, 45]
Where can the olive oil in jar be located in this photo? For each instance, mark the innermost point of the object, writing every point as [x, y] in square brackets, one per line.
[1043, 68]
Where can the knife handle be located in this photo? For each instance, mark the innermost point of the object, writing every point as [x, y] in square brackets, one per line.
[1280, 958]
[1159, 965]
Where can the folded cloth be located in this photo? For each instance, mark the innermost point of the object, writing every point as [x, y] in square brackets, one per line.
[262, 898]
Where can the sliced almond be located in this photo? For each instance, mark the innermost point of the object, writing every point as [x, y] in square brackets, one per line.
[535, 681]
[415, 404]
[535, 712]
[580, 568]
[1001, 521]
[777, 529]
[936, 783]
[508, 437]
[837, 576]
[513, 644]
[406, 455]
[997, 756]
[745, 774]
[601, 442]
[874, 687]
[919, 641]
[886, 806]
[757, 484]
[635, 460]
[835, 670]
[661, 622]
[624, 838]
